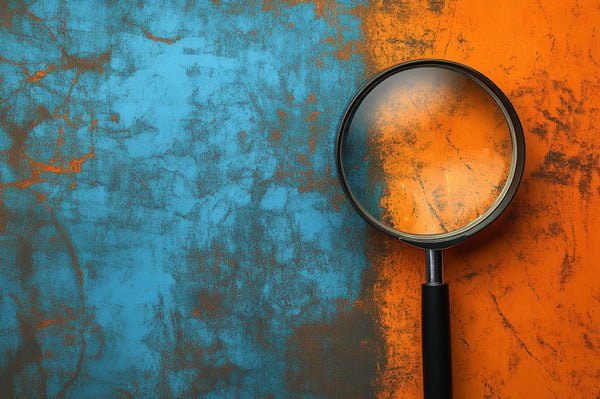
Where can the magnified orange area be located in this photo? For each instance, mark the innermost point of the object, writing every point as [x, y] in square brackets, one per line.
[438, 147]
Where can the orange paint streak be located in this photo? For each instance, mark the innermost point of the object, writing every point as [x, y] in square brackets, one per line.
[124, 392]
[342, 49]
[33, 17]
[312, 116]
[281, 115]
[39, 75]
[160, 39]
[47, 323]
[525, 305]
[63, 109]
[73, 166]
[21, 184]
[311, 144]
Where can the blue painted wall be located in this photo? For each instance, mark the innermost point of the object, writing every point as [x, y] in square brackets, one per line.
[171, 221]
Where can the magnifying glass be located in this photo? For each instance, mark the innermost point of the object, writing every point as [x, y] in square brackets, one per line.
[431, 152]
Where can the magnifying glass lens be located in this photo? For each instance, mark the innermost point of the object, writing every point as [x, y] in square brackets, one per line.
[427, 151]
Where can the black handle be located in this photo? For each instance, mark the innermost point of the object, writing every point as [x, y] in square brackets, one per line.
[435, 323]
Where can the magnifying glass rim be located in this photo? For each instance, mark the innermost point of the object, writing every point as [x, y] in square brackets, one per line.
[441, 240]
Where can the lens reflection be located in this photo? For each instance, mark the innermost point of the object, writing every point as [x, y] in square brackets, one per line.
[427, 151]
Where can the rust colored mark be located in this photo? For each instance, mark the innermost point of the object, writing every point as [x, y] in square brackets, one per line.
[7, 14]
[47, 323]
[66, 102]
[342, 49]
[311, 144]
[147, 33]
[93, 123]
[327, 10]
[160, 39]
[20, 134]
[24, 183]
[336, 200]
[267, 5]
[39, 75]
[303, 159]
[275, 136]
[308, 182]
[311, 99]
[70, 340]
[15, 63]
[124, 394]
[313, 115]
[73, 166]
[60, 140]
[94, 63]
[40, 197]
[209, 305]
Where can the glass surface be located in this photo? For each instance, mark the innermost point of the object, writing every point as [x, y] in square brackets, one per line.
[427, 151]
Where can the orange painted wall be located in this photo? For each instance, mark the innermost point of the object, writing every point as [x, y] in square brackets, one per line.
[525, 294]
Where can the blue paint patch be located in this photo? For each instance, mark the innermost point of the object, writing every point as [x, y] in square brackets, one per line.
[182, 256]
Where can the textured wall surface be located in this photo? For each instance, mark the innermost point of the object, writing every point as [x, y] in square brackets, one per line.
[171, 223]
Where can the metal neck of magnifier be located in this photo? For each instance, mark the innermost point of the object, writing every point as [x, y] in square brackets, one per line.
[434, 274]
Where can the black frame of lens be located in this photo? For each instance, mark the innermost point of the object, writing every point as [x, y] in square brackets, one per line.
[444, 240]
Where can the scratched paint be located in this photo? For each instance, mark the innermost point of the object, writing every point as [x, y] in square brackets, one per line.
[524, 305]
[171, 225]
